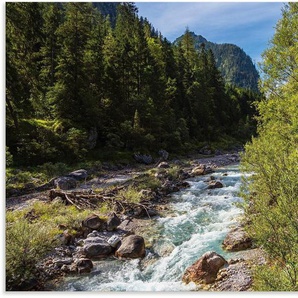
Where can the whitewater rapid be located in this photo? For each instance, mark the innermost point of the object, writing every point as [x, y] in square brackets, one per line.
[198, 222]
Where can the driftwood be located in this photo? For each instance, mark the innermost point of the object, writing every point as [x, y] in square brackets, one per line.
[83, 200]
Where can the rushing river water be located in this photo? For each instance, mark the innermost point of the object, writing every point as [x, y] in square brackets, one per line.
[199, 220]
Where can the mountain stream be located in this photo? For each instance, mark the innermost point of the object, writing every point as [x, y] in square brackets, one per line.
[198, 222]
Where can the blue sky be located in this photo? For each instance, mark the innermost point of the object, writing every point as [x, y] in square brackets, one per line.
[250, 25]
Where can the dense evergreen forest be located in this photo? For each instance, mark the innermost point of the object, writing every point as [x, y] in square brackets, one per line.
[76, 85]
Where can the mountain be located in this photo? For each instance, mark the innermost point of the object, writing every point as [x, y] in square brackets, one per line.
[235, 65]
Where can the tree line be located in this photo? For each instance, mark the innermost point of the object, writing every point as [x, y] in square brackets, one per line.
[76, 84]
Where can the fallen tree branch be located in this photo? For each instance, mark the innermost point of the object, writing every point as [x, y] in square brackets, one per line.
[71, 202]
[81, 200]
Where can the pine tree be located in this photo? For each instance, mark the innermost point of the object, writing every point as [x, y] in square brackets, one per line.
[67, 95]
[23, 38]
[52, 19]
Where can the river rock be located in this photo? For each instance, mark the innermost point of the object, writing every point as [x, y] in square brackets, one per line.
[205, 269]
[198, 171]
[113, 222]
[132, 246]
[215, 184]
[236, 277]
[84, 265]
[183, 174]
[94, 239]
[92, 222]
[60, 262]
[65, 183]
[78, 174]
[128, 226]
[66, 238]
[237, 239]
[97, 249]
[208, 170]
[114, 240]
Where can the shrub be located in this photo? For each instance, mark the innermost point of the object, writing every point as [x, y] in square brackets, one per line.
[53, 169]
[272, 277]
[26, 244]
[27, 241]
[131, 195]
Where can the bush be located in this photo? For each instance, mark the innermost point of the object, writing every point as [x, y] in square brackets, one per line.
[27, 241]
[273, 277]
[53, 169]
[26, 244]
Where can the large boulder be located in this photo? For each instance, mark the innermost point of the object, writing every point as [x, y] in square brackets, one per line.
[237, 239]
[113, 222]
[132, 246]
[92, 222]
[99, 248]
[204, 271]
[65, 183]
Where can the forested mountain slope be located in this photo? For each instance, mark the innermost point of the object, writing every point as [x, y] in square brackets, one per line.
[76, 84]
[234, 64]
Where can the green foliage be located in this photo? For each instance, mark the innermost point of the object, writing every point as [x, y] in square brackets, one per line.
[50, 169]
[271, 201]
[8, 157]
[147, 181]
[26, 244]
[130, 195]
[70, 73]
[27, 241]
[235, 66]
[173, 172]
[273, 277]
[76, 142]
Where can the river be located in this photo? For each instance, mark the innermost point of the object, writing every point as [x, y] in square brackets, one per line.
[198, 222]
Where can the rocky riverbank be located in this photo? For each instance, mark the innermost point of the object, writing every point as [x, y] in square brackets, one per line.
[76, 252]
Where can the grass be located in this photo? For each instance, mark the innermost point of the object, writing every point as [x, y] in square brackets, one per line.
[130, 195]
[29, 238]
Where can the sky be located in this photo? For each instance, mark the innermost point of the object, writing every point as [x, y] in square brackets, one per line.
[249, 25]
